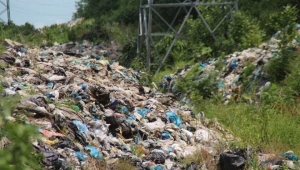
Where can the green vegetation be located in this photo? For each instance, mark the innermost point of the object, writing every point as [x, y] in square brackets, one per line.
[275, 128]
[273, 124]
[15, 138]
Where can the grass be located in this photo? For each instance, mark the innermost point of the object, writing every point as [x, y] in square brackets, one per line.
[200, 157]
[272, 129]
[158, 77]
[124, 165]
[93, 164]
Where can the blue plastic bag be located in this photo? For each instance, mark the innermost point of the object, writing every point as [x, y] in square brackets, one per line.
[114, 104]
[81, 155]
[131, 116]
[83, 87]
[51, 84]
[233, 64]
[94, 152]
[203, 65]
[98, 58]
[124, 110]
[290, 156]
[48, 95]
[165, 135]
[130, 119]
[174, 118]
[157, 167]
[143, 112]
[76, 96]
[44, 53]
[80, 126]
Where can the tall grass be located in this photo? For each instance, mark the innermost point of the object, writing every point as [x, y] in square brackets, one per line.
[275, 129]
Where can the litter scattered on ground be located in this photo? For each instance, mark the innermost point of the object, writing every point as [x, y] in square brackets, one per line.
[87, 107]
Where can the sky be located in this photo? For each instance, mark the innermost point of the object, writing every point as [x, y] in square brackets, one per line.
[39, 12]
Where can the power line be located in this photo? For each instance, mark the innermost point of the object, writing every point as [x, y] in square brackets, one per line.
[44, 4]
[31, 13]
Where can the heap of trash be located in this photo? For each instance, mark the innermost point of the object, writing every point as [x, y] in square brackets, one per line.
[229, 71]
[87, 108]
[92, 112]
[230, 84]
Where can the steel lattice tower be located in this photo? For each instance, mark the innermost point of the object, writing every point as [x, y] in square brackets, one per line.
[148, 9]
[6, 5]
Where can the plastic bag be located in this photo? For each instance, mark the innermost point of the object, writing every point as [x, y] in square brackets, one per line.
[80, 126]
[94, 152]
[49, 133]
[232, 160]
[143, 112]
[173, 118]
[81, 155]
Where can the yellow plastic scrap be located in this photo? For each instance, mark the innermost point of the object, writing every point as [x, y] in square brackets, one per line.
[52, 142]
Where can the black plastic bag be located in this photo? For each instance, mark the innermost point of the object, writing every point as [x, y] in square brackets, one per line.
[233, 160]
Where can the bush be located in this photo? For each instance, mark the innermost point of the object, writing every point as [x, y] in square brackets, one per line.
[24, 34]
[285, 22]
[18, 154]
[198, 85]
[245, 31]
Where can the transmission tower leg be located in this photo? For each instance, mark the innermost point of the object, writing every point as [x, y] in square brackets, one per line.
[8, 11]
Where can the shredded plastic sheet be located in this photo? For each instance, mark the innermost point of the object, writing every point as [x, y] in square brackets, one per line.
[94, 152]
[81, 155]
[143, 112]
[174, 118]
[49, 133]
[80, 126]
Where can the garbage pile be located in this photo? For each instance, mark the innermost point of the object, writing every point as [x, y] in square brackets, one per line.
[230, 72]
[89, 108]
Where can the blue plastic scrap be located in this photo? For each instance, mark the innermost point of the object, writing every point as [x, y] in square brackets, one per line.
[83, 87]
[132, 116]
[76, 96]
[290, 156]
[81, 155]
[124, 110]
[203, 64]
[165, 135]
[138, 138]
[130, 119]
[44, 53]
[164, 85]
[51, 84]
[143, 112]
[171, 149]
[48, 95]
[94, 152]
[233, 64]
[114, 104]
[80, 126]
[221, 84]
[168, 77]
[98, 58]
[125, 148]
[173, 118]
[137, 73]
[157, 167]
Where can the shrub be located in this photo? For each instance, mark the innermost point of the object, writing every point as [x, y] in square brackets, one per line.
[198, 85]
[16, 155]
